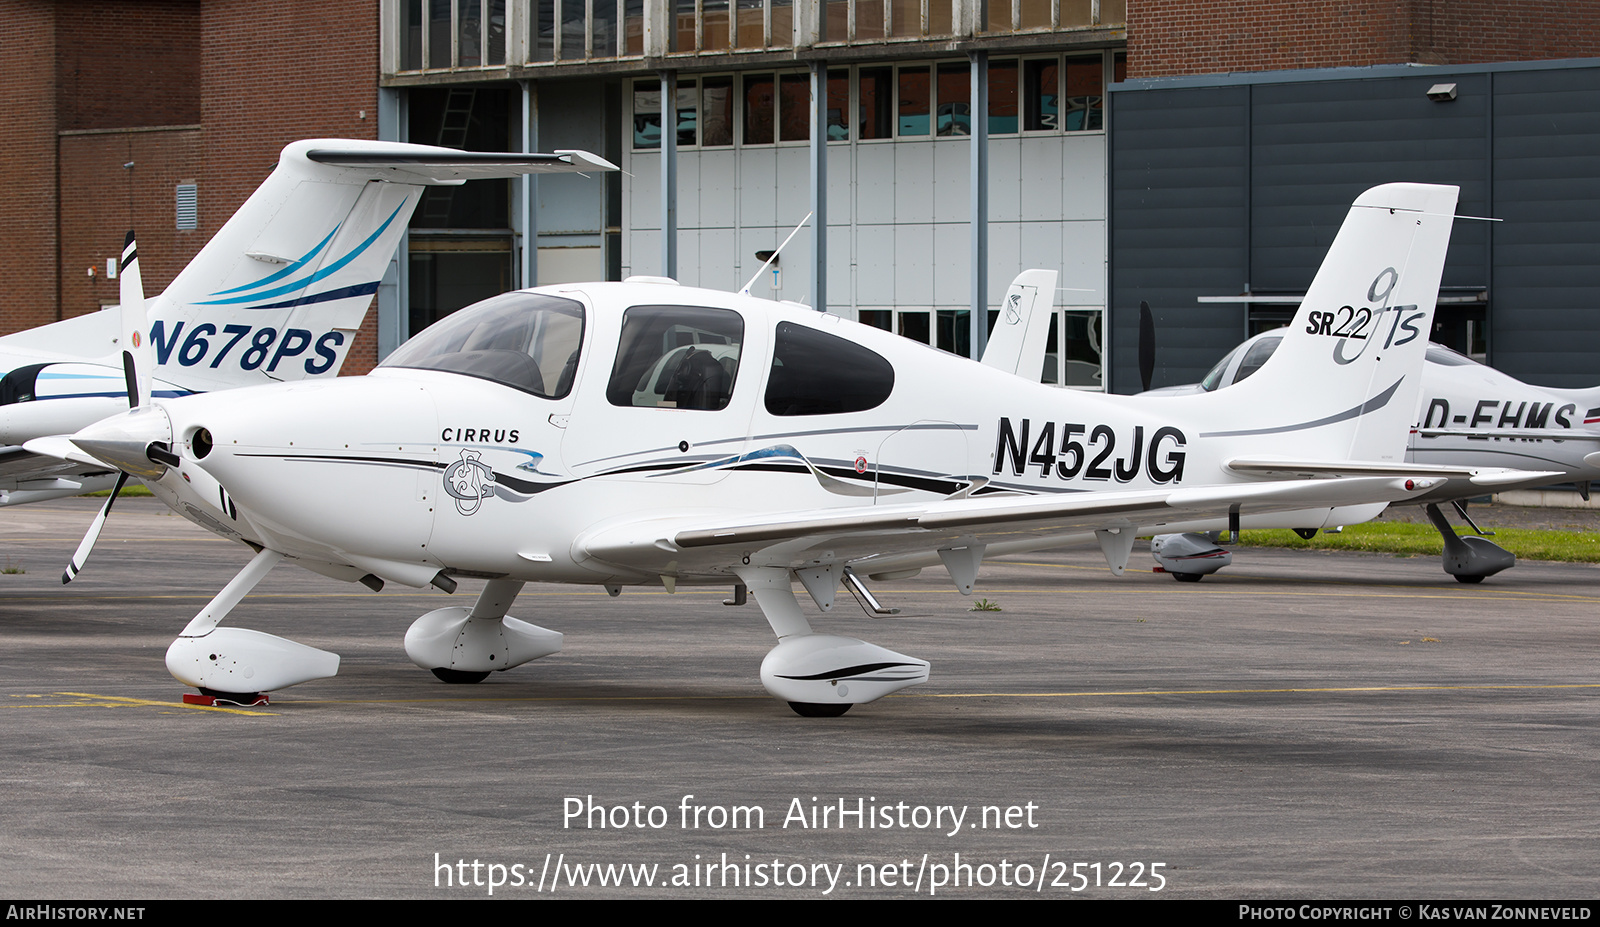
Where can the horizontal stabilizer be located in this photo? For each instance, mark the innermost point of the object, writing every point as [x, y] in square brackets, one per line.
[417, 164]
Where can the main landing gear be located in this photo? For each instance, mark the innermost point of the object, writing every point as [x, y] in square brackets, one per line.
[1469, 559]
[464, 645]
[821, 675]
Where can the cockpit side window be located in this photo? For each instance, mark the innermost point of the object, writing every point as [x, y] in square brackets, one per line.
[527, 341]
[815, 373]
[677, 357]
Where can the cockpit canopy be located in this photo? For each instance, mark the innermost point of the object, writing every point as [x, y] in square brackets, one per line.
[527, 341]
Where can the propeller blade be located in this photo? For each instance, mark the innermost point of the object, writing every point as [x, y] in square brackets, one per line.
[1147, 344]
[137, 359]
[81, 555]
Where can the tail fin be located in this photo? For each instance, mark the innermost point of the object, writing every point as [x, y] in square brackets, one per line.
[1345, 381]
[1018, 341]
[280, 290]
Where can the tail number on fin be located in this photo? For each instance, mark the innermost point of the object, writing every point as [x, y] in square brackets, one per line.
[263, 348]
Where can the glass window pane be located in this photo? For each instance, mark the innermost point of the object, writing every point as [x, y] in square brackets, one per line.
[869, 19]
[999, 16]
[646, 114]
[411, 35]
[913, 105]
[714, 25]
[782, 24]
[940, 17]
[544, 30]
[604, 27]
[836, 23]
[877, 318]
[955, 99]
[1039, 90]
[914, 325]
[1036, 13]
[469, 33]
[1085, 100]
[439, 34]
[572, 23]
[955, 331]
[495, 51]
[676, 357]
[758, 110]
[683, 35]
[815, 373]
[717, 111]
[1119, 67]
[752, 23]
[1082, 363]
[876, 96]
[527, 341]
[838, 106]
[688, 112]
[905, 18]
[633, 27]
[1076, 13]
[1002, 97]
[794, 108]
[1113, 12]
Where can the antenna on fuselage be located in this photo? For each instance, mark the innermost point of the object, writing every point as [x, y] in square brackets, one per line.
[745, 290]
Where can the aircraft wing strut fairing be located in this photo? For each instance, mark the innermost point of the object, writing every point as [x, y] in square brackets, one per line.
[643, 433]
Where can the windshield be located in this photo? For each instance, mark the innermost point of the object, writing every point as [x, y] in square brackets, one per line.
[1214, 378]
[1439, 354]
[527, 341]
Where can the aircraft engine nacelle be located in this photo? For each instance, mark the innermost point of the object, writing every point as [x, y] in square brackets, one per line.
[450, 638]
[825, 669]
[245, 661]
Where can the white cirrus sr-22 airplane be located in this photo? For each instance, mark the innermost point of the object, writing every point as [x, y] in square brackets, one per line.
[276, 295]
[645, 433]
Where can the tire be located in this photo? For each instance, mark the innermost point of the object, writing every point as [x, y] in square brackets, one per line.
[817, 710]
[459, 677]
[1188, 577]
[1462, 578]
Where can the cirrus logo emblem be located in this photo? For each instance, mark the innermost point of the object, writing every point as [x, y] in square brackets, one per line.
[469, 481]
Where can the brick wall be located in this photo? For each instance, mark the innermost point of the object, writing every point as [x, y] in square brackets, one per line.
[101, 200]
[1210, 36]
[28, 164]
[277, 71]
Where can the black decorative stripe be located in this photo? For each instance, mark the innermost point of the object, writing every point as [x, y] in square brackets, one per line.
[360, 289]
[846, 671]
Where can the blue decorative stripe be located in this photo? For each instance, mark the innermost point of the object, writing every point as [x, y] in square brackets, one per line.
[334, 268]
[120, 394]
[274, 278]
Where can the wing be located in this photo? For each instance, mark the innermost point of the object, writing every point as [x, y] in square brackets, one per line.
[876, 539]
[30, 477]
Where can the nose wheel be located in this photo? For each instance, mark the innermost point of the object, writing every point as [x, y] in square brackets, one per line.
[459, 677]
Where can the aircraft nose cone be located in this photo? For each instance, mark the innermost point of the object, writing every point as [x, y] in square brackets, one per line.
[136, 442]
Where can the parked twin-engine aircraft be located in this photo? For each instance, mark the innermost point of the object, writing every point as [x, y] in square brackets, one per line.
[645, 433]
[1469, 415]
[276, 295]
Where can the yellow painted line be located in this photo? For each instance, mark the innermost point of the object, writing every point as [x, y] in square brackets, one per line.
[91, 700]
[1106, 694]
[1327, 689]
